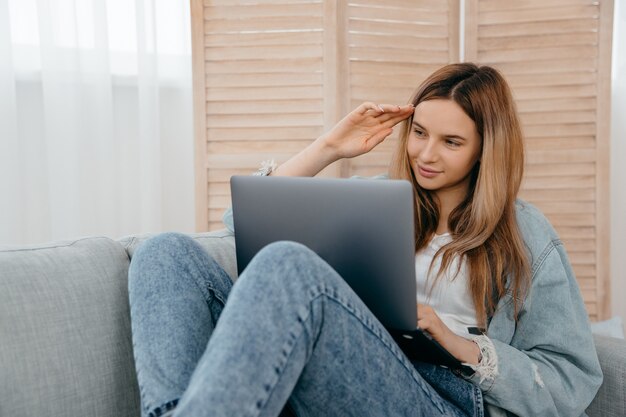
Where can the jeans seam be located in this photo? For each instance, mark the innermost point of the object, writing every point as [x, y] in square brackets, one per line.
[332, 296]
[206, 289]
[391, 347]
[164, 408]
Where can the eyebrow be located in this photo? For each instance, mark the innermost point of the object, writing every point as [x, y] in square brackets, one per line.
[416, 124]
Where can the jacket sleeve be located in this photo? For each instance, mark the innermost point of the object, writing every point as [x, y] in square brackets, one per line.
[227, 219]
[550, 366]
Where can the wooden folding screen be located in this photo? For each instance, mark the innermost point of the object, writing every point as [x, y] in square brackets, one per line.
[272, 75]
[556, 56]
[391, 47]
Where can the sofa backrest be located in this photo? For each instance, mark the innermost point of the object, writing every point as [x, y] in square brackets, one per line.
[65, 334]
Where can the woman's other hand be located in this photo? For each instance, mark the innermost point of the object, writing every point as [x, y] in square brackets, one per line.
[364, 128]
[461, 348]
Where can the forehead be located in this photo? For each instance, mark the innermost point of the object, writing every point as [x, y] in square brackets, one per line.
[443, 115]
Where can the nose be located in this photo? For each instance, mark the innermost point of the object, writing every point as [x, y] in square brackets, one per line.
[429, 152]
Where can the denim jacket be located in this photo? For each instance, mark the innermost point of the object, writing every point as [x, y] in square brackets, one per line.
[547, 364]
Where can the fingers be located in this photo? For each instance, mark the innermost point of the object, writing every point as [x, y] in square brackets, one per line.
[369, 106]
[379, 137]
[384, 111]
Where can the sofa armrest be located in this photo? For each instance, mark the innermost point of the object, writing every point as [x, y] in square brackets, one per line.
[611, 399]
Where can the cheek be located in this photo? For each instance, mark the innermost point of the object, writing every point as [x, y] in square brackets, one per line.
[412, 149]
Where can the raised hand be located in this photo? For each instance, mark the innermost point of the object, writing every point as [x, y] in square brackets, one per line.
[364, 128]
[359, 132]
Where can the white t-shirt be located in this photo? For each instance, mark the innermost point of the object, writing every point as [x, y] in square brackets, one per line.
[450, 298]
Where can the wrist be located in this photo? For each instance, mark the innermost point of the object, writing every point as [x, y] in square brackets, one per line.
[324, 151]
[469, 352]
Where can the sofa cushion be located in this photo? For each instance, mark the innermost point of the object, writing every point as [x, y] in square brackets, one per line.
[611, 399]
[220, 244]
[65, 331]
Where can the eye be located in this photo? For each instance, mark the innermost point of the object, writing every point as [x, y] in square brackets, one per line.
[419, 132]
[453, 143]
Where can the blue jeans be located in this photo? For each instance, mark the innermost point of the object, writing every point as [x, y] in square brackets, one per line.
[289, 330]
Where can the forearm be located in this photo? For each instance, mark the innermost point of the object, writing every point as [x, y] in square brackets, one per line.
[309, 162]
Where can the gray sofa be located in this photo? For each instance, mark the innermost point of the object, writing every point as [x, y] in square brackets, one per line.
[65, 339]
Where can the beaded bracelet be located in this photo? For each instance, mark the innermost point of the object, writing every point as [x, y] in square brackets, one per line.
[267, 167]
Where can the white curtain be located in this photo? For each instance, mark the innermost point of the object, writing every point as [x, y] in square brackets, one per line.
[96, 125]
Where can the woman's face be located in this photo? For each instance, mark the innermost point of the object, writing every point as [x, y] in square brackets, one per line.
[443, 146]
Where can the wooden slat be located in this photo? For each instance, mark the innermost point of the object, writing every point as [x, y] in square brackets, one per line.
[403, 16]
[580, 244]
[264, 79]
[550, 117]
[544, 14]
[265, 120]
[397, 55]
[278, 134]
[536, 54]
[494, 5]
[559, 170]
[558, 195]
[233, 40]
[407, 43]
[539, 41]
[410, 29]
[210, 3]
[566, 220]
[249, 161]
[268, 52]
[399, 81]
[561, 156]
[567, 207]
[255, 146]
[262, 93]
[268, 106]
[261, 11]
[281, 23]
[546, 66]
[223, 175]
[549, 104]
[255, 66]
[571, 182]
[555, 78]
[580, 129]
[424, 6]
[552, 143]
[543, 28]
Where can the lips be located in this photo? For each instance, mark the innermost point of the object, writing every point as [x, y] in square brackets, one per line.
[427, 172]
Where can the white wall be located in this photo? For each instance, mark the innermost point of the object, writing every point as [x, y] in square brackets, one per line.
[618, 164]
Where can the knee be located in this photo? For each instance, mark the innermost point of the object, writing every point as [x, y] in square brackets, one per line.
[163, 245]
[288, 263]
[158, 253]
[286, 253]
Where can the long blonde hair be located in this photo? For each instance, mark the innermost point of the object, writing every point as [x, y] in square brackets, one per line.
[483, 227]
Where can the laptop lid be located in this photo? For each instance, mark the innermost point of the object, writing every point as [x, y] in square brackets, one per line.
[362, 228]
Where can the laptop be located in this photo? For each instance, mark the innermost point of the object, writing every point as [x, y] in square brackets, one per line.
[363, 228]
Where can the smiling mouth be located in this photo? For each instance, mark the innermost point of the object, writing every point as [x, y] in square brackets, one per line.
[427, 173]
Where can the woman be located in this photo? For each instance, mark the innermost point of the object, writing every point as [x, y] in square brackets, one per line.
[494, 285]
